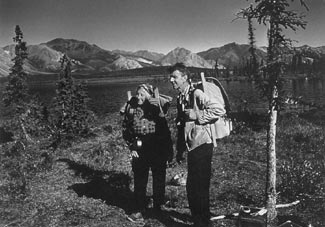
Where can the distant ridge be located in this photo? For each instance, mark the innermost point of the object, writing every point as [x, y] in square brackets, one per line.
[125, 63]
[5, 62]
[141, 53]
[87, 54]
[180, 54]
[231, 54]
[91, 59]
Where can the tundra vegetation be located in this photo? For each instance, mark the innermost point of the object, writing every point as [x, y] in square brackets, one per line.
[62, 166]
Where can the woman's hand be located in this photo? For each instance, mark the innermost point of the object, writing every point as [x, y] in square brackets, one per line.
[134, 154]
[154, 101]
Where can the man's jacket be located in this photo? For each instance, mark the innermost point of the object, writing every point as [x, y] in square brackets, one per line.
[205, 110]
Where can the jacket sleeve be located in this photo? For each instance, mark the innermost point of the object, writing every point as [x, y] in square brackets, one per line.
[127, 132]
[209, 108]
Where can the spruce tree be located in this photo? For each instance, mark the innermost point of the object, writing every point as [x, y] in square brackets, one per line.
[16, 90]
[277, 16]
[71, 114]
[22, 156]
[252, 47]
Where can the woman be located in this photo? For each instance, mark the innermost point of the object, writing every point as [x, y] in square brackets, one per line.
[146, 131]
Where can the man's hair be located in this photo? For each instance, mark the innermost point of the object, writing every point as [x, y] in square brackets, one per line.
[180, 67]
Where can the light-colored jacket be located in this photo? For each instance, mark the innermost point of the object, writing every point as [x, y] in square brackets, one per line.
[205, 110]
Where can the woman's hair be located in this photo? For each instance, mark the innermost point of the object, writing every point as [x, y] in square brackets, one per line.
[147, 87]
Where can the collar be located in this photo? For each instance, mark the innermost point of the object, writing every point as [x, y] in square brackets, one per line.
[184, 97]
[186, 91]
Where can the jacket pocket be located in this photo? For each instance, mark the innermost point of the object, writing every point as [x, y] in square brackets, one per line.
[197, 135]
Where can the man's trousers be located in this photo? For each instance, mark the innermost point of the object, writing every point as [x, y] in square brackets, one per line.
[198, 183]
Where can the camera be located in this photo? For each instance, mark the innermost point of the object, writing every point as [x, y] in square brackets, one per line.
[137, 144]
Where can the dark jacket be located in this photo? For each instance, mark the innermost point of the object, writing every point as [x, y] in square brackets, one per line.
[147, 124]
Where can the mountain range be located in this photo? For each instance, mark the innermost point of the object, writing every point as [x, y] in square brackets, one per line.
[90, 58]
[231, 54]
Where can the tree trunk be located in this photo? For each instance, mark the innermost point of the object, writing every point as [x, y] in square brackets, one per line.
[22, 120]
[271, 162]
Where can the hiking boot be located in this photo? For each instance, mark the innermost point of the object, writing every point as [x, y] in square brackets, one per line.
[157, 209]
[136, 217]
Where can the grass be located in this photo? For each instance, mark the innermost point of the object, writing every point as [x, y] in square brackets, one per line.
[90, 183]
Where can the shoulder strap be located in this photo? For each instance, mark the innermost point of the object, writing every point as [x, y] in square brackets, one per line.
[126, 106]
[129, 94]
[156, 93]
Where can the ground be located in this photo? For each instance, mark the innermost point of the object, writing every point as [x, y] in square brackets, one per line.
[90, 183]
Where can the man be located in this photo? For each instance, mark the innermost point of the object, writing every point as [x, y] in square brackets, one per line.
[146, 131]
[195, 113]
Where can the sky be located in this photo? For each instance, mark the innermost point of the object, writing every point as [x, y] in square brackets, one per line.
[154, 25]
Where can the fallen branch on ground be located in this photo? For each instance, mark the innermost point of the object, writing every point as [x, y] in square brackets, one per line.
[261, 211]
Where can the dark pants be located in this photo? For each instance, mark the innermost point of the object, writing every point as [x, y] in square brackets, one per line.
[198, 183]
[141, 167]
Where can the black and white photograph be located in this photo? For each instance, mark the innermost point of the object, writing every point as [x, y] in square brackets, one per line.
[162, 113]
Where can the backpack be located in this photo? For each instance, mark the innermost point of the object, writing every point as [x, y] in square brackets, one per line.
[212, 87]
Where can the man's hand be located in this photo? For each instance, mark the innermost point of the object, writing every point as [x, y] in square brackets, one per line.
[170, 164]
[179, 157]
[170, 159]
[190, 114]
[154, 101]
[134, 154]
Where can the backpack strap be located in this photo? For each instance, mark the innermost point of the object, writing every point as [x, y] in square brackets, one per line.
[129, 95]
[124, 108]
[156, 94]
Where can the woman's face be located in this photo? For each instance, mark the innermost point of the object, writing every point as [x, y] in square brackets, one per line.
[142, 96]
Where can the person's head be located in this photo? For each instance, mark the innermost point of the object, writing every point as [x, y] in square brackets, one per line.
[179, 76]
[143, 93]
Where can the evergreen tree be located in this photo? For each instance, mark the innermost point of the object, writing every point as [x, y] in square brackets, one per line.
[299, 63]
[22, 156]
[294, 63]
[216, 68]
[16, 90]
[71, 114]
[277, 16]
[252, 47]
[235, 71]
[16, 95]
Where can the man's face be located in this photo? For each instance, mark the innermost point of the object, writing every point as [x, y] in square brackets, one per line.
[178, 80]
